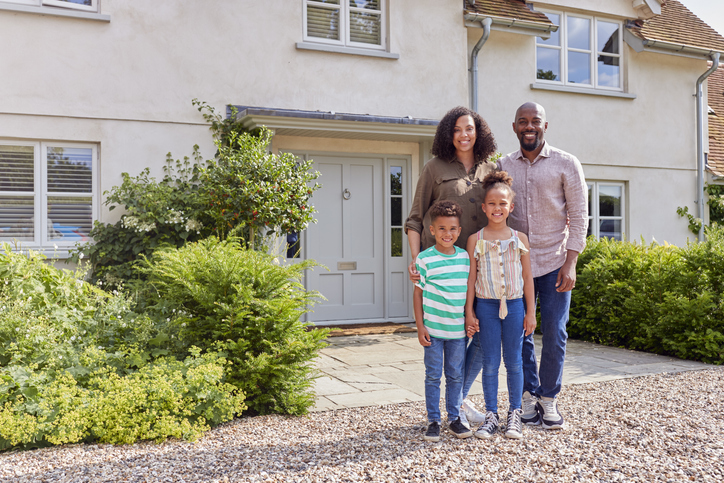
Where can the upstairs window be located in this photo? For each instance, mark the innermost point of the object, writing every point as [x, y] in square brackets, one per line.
[349, 23]
[85, 5]
[48, 195]
[585, 52]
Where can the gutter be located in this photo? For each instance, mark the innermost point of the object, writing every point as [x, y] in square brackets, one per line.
[511, 22]
[485, 23]
[700, 139]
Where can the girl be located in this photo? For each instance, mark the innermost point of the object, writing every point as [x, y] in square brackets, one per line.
[501, 277]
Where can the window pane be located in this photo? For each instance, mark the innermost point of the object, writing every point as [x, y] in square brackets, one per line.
[396, 242]
[590, 227]
[396, 211]
[579, 68]
[69, 219]
[548, 64]
[323, 22]
[70, 170]
[590, 198]
[610, 229]
[17, 218]
[334, 2]
[88, 3]
[396, 180]
[609, 200]
[609, 72]
[579, 33]
[365, 28]
[370, 4]
[607, 37]
[17, 168]
[555, 36]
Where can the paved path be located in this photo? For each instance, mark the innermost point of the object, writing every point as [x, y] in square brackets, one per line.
[370, 370]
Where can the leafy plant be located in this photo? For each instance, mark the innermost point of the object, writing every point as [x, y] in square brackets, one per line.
[716, 209]
[223, 296]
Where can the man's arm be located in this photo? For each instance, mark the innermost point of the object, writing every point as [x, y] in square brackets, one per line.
[576, 193]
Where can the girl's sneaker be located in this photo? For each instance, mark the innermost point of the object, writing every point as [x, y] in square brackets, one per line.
[489, 427]
[474, 416]
[514, 426]
[433, 432]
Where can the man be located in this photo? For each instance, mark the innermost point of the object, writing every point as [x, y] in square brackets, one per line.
[551, 207]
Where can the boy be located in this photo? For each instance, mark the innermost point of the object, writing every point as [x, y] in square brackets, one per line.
[439, 302]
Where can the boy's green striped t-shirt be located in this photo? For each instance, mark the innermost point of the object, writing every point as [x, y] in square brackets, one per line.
[444, 284]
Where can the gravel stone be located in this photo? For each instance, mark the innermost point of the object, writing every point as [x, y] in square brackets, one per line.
[662, 428]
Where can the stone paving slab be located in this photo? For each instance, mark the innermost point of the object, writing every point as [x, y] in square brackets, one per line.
[371, 370]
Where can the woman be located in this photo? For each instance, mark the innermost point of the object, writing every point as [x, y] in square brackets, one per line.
[462, 145]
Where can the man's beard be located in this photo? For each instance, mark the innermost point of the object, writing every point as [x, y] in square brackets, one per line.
[530, 146]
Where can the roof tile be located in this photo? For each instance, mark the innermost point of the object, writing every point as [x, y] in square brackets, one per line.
[715, 83]
[512, 9]
[678, 25]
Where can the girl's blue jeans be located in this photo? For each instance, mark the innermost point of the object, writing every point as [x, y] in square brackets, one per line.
[450, 355]
[507, 332]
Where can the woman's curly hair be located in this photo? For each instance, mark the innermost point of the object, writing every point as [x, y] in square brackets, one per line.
[443, 146]
[499, 180]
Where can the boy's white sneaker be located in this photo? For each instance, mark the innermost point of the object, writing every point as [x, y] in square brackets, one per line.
[530, 415]
[474, 416]
[464, 419]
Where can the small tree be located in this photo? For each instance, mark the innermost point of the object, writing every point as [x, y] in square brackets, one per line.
[247, 186]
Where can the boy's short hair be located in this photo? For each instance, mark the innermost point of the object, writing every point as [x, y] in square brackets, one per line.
[445, 208]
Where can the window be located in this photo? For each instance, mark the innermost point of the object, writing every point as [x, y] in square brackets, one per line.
[48, 193]
[585, 51]
[86, 5]
[396, 218]
[351, 23]
[606, 209]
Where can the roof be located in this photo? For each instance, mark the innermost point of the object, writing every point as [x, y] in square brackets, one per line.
[715, 83]
[510, 9]
[678, 25]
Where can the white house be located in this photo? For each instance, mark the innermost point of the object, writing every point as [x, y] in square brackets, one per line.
[93, 88]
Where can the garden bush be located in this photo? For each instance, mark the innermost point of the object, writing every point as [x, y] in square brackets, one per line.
[658, 298]
[78, 364]
[220, 295]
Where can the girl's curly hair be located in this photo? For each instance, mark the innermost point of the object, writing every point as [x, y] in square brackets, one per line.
[499, 180]
[442, 145]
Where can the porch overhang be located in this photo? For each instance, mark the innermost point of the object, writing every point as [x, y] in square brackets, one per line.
[329, 124]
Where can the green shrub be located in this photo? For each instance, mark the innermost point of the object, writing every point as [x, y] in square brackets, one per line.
[657, 298]
[223, 296]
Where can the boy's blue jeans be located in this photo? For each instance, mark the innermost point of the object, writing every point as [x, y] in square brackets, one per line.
[554, 307]
[450, 355]
[509, 331]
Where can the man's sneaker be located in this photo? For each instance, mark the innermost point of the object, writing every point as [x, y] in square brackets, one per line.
[489, 427]
[433, 432]
[514, 426]
[550, 416]
[459, 430]
[474, 416]
[530, 415]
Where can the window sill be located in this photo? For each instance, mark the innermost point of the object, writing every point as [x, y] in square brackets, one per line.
[338, 49]
[582, 90]
[54, 11]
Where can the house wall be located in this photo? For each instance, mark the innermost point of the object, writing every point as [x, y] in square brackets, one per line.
[647, 142]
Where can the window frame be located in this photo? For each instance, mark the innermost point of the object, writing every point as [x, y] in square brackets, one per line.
[594, 216]
[594, 53]
[344, 12]
[94, 7]
[41, 193]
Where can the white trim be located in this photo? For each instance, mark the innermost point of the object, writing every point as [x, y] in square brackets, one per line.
[34, 8]
[581, 90]
[93, 7]
[345, 10]
[338, 49]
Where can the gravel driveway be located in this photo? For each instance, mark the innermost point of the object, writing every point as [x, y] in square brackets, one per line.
[666, 427]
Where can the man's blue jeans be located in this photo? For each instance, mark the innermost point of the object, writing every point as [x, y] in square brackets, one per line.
[554, 307]
[450, 354]
[509, 332]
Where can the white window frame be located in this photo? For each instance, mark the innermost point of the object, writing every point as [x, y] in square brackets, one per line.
[595, 218]
[344, 34]
[564, 49]
[57, 3]
[40, 195]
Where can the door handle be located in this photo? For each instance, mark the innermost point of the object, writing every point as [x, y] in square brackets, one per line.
[346, 194]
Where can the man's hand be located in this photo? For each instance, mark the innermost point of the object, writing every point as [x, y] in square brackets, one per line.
[414, 274]
[567, 274]
[423, 336]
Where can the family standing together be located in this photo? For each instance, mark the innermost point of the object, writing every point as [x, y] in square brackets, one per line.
[489, 243]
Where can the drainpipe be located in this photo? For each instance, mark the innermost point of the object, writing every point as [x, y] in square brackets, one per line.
[486, 22]
[700, 139]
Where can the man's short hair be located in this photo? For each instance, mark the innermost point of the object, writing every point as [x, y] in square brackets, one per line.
[445, 208]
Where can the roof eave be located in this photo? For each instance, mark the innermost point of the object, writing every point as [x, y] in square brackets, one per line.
[663, 47]
[527, 27]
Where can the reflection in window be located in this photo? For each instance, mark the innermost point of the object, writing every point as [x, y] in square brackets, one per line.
[396, 211]
[606, 209]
